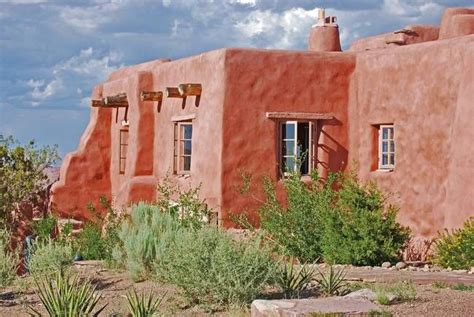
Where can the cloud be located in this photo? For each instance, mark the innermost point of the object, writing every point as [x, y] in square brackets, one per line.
[49, 90]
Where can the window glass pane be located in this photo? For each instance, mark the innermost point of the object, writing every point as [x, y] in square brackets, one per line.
[187, 163]
[303, 146]
[390, 133]
[384, 133]
[384, 159]
[289, 163]
[392, 146]
[186, 131]
[186, 146]
[392, 159]
[384, 147]
[288, 148]
[288, 130]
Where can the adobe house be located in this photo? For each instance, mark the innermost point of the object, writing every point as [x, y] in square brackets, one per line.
[399, 104]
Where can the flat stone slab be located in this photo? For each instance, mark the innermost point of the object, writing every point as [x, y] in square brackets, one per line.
[310, 306]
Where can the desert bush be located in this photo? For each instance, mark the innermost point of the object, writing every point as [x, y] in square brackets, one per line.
[362, 229]
[183, 204]
[455, 249]
[214, 271]
[340, 220]
[332, 282]
[44, 227]
[8, 260]
[293, 280]
[297, 228]
[90, 243]
[49, 256]
[146, 237]
[143, 306]
[66, 296]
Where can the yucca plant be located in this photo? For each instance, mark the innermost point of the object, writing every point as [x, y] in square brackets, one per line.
[332, 282]
[293, 280]
[143, 306]
[66, 296]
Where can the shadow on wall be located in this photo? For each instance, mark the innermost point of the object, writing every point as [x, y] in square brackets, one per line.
[332, 156]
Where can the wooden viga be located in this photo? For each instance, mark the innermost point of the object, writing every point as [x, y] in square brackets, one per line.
[152, 96]
[183, 91]
[115, 102]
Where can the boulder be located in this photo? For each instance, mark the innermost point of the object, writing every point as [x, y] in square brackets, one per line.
[401, 265]
[305, 307]
[386, 265]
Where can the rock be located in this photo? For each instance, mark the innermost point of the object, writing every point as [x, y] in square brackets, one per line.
[401, 265]
[305, 307]
[386, 265]
[363, 293]
[460, 271]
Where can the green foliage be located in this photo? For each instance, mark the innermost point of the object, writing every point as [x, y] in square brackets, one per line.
[143, 306]
[184, 205]
[298, 227]
[215, 271]
[49, 256]
[455, 249]
[21, 175]
[463, 287]
[362, 230]
[66, 296]
[44, 227]
[8, 260]
[349, 225]
[90, 244]
[293, 280]
[146, 238]
[402, 290]
[439, 284]
[332, 282]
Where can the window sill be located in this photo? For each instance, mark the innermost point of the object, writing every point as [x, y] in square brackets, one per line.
[384, 170]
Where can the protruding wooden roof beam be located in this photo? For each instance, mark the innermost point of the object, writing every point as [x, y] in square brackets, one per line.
[173, 92]
[152, 96]
[119, 100]
[97, 103]
[191, 90]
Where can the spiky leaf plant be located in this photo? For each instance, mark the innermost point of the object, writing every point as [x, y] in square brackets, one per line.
[66, 296]
[293, 280]
[143, 306]
[332, 282]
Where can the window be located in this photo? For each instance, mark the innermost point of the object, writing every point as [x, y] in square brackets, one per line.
[123, 150]
[386, 147]
[296, 146]
[183, 132]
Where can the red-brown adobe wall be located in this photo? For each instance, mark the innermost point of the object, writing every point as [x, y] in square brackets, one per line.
[258, 81]
[426, 91]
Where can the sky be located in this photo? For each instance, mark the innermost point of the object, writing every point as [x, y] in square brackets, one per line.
[53, 52]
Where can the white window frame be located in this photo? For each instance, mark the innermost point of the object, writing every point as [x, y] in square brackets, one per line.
[177, 148]
[311, 150]
[390, 138]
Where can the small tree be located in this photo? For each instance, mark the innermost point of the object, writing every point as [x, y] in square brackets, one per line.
[22, 175]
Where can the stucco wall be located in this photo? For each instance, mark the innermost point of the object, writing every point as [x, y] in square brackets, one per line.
[425, 90]
[258, 81]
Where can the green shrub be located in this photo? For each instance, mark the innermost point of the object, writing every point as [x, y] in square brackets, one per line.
[463, 287]
[340, 220]
[44, 227]
[297, 229]
[362, 229]
[455, 249]
[66, 296]
[145, 239]
[8, 260]
[215, 271]
[293, 280]
[143, 306]
[90, 244]
[49, 256]
[332, 282]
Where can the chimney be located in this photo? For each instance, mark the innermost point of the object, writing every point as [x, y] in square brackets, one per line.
[324, 35]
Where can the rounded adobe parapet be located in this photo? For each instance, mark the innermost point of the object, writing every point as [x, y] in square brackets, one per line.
[456, 22]
[324, 39]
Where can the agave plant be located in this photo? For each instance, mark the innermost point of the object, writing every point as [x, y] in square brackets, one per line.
[332, 282]
[66, 296]
[143, 306]
[293, 280]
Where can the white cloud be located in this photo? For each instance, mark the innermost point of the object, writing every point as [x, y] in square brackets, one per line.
[49, 90]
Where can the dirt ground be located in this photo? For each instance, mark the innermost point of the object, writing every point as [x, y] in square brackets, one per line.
[114, 285]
